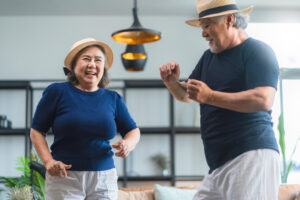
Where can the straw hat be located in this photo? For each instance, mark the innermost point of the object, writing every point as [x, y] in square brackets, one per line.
[81, 44]
[214, 8]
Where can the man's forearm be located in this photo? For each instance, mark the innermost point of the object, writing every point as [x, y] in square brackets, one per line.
[178, 91]
[259, 99]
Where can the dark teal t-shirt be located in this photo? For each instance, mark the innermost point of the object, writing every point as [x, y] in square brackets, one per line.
[83, 123]
[225, 133]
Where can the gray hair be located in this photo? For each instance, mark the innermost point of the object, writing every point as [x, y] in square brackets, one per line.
[240, 20]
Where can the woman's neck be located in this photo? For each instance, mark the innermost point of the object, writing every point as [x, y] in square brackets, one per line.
[87, 88]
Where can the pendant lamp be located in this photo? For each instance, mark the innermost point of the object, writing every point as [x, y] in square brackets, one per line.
[136, 34]
[134, 58]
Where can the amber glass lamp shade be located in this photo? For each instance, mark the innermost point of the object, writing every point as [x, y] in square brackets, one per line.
[134, 58]
[136, 34]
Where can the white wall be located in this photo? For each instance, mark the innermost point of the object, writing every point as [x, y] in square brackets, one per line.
[34, 47]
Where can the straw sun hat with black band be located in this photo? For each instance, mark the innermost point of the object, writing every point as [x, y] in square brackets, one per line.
[81, 44]
[214, 8]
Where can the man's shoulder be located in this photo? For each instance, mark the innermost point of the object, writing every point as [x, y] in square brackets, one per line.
[206, 55]
[255, 43]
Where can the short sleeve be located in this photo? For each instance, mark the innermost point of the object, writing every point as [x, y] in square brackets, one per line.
[196, 73]
[124, 121]
[45, 111]
[261, 67]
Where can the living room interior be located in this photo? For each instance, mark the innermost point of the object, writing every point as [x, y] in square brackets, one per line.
[36, 36]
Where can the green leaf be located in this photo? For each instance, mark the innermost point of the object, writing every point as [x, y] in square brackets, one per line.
[286, 165]
[281, 135]
[37, 181]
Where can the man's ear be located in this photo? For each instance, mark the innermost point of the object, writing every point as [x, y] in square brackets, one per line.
[230, 20]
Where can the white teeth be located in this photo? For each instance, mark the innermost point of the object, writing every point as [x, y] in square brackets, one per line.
[90, 73]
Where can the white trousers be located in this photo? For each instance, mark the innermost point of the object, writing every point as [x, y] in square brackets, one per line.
[83, 185]
[253, 175]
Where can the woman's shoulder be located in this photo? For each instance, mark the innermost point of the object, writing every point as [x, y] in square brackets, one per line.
[56, 87]
[112, 93]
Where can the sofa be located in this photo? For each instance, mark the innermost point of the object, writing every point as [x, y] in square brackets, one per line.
[158, 192]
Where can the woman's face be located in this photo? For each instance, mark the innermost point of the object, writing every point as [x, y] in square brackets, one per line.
[89, 68]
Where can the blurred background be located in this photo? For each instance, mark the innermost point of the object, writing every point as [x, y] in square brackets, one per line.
[36, 35]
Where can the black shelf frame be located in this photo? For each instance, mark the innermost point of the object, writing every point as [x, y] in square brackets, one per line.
[145, 178]
[21, 85]
[15, 132]
[172, 130]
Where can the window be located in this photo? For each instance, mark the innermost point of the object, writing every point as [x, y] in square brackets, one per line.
[283, 38]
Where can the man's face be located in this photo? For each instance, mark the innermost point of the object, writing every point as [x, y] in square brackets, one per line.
[216, 33]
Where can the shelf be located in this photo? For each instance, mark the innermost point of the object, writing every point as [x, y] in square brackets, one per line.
[146, 178]
[170, 130]
[189, 178]
[187, 130]
[14, 132]
[162, 178]
[157, 130]
[144, 84]
[164, 130]
[15, 85]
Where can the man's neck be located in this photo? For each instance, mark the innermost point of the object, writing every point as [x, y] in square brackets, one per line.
[238, 37]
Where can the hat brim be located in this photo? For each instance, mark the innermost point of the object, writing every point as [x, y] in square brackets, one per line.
[109, 54]
[196, 22]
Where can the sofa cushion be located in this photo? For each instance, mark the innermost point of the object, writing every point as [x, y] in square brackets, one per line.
[288, 191]
[135, 195]
[167, 193]
[298, 196]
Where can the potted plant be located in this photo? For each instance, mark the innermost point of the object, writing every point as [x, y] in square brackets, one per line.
[25, 186]
[286, 163]
[161, 162]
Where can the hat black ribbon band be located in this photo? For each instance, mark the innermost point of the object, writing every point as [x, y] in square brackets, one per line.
[218, 10]
[66, 71]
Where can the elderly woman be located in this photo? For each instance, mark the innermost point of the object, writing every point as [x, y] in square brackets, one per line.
[84, 117]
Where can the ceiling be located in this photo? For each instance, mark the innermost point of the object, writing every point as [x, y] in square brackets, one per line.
[121, 7]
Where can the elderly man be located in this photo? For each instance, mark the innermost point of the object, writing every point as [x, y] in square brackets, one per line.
[235, 83]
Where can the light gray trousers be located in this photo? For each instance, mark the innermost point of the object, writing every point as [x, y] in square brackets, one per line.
[83, 185]
[254, 175]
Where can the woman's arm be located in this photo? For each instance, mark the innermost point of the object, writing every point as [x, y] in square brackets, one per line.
[128, 143]
[53, 167]
[40, 144]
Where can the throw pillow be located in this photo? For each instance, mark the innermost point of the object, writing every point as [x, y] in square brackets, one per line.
[145, 195]
[169, 193]
[298, 196]
[288, 191]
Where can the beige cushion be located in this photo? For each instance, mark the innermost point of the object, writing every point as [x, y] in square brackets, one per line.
[138, 195]
[298, 196]
[288, 192]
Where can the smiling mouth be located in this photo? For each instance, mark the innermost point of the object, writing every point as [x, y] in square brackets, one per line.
[89, 73]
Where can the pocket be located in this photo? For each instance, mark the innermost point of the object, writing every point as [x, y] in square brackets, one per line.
[110, 179]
